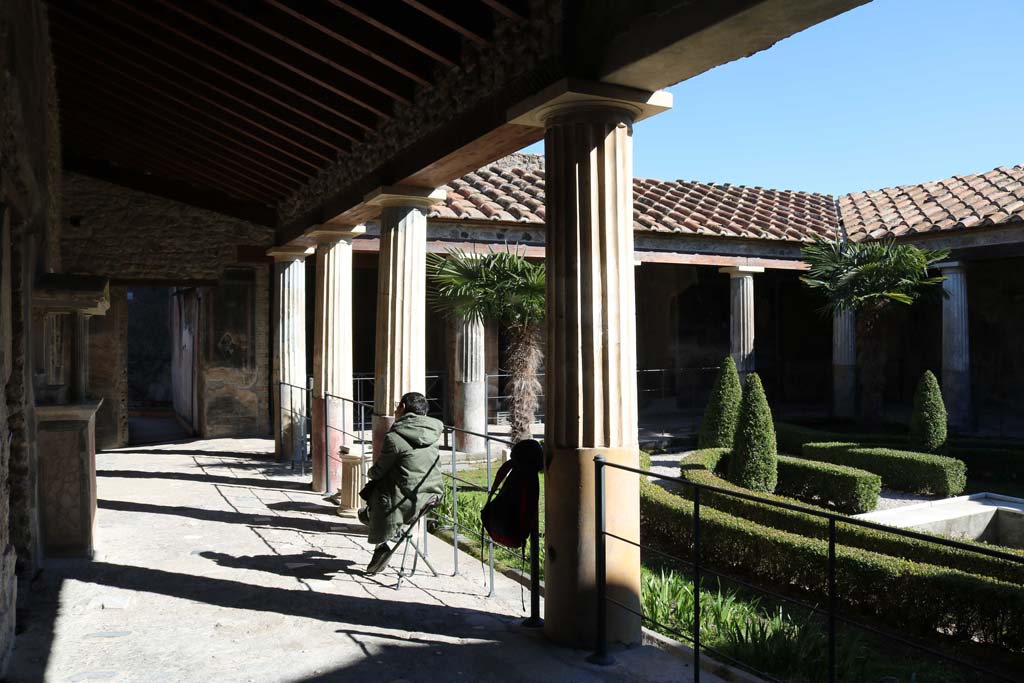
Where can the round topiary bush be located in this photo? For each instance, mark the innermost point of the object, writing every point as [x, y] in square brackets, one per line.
[754, 462]
[718, 427]
[928, 421]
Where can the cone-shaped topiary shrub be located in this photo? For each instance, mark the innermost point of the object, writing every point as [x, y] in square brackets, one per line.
[928, 421]
[718, 427]
[754, 463]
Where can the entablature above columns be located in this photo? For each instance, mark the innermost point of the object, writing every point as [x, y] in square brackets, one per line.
[290, 252]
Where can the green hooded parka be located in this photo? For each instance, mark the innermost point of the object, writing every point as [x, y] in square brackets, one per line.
[407, 473]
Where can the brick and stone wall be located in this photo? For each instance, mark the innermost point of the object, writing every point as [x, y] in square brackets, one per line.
[137, 238]
[30, 219]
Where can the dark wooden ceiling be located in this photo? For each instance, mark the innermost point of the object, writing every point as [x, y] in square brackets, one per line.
[234, 104]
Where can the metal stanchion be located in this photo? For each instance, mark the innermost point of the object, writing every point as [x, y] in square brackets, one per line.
[600, 656]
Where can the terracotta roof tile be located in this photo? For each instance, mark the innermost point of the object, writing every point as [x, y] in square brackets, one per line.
[512, 189]
[979, 200]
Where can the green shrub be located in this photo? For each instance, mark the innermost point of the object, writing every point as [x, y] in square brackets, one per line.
[753, 464]
[849, 489]
[901, 470]
[699, 467]
[718, 428]
[907, 595]
[928, 421]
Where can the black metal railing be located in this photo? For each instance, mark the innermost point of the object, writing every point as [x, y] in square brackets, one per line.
[699, 568]
[435, 389]
[295, 422]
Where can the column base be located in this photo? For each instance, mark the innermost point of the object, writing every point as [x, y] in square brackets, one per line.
[570, 606]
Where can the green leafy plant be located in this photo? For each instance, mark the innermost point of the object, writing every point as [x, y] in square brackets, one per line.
[928, 420]
[718, 428]
[867, 279]
[754, 463]
[502, 287]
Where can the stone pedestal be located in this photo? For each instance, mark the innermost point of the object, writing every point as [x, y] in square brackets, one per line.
[956, 349]
[349, 482]
[470, 404]
[401, 300]
[332, 353]
[590, 367]
[741, 316]
[844, 364]
[67, 477]
[290, 351]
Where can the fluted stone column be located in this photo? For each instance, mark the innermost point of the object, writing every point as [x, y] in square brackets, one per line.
[844, 364]
[332, 352]
[956, 349]
[401, 300]
[591, 395]
[289, 350]
[741, 316]
[470, 405]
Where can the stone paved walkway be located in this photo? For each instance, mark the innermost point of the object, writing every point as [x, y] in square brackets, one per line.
[215, 564]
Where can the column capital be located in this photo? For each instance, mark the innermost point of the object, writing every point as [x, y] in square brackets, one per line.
[950, 265]
[331, 233]
[740, 271]
[288, 252]
[404, 195]
[580, 95]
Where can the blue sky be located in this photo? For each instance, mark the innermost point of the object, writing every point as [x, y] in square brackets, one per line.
[891, 93]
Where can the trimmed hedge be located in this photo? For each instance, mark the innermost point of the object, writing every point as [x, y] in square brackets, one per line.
[753, 464]
[699, 468]
[927, 431]
[718, 428]
[901, 470]
[792, 437]
[1001, 464]
[850, 490]
[909, 596]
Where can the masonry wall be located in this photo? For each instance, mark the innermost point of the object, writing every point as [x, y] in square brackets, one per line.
[108, 370]
[30, 204]
[136, 238]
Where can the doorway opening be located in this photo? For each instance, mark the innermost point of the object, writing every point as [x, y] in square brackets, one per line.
[162, 331]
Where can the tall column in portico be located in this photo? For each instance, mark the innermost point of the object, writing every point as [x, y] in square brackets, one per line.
[470, 402]
[289, 350]
[844, 364]
[741, 316]
[401, 300]
[591, 394]
[956, 350]
[332, 351]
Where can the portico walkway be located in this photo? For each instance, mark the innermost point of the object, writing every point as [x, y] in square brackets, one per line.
[214, 563]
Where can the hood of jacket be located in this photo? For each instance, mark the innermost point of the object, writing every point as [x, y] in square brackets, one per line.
[419, 431]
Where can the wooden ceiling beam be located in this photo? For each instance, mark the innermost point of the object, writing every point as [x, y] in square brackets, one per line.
[177, 144]
[144, 158]
[377, 105]
[184, 127]
[370, 41]
[170, 188]
[405, 25]
[127, 65]
[120, 44]
[475, 22]
[353, 63]
[360, 121]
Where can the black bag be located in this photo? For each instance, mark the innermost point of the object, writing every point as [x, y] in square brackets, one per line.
[510, 514]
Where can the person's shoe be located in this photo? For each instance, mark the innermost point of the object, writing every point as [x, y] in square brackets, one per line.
[381, 555]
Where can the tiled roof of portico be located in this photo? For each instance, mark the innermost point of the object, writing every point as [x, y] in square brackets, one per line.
[978, 200]
[511, 190]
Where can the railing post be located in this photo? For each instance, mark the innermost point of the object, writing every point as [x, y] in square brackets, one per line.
[600, 656]
[696, 584]
[490, 541]
[832, 600]
[455, 513]
[327, 443]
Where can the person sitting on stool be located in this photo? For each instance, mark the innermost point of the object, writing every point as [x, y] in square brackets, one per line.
[404, 478]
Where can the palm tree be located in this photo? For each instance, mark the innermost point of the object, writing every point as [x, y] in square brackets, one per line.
[501, 287]
[868, 279]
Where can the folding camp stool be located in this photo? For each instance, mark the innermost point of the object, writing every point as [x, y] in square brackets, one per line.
[408, 538]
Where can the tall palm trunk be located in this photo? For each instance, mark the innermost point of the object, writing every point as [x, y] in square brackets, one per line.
[871, 360]
[524, 357]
